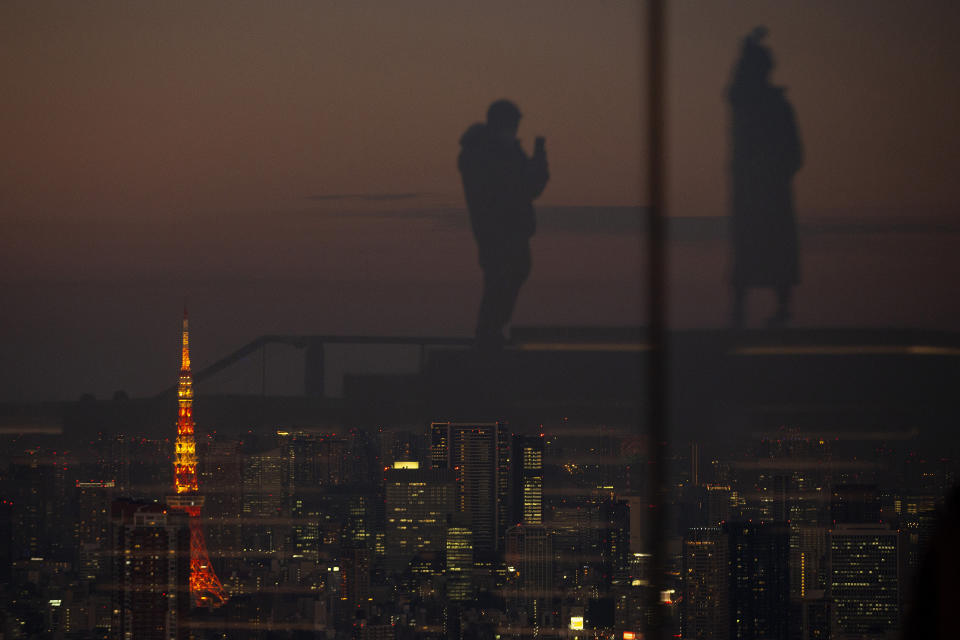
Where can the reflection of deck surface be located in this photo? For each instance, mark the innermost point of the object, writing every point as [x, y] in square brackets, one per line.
[731, 381]
[721, 382]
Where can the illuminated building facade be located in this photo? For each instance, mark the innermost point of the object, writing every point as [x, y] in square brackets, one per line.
[614, 539]
[864, 579]
[479, 456]
[205, 587]
[439, 445]
[759, 588]
[705, 604]
[459, 563]
[529, 558]
[527, 485]
[151, 570]
[262, 501]
[221, 466]
[91, 529]
[419, 503]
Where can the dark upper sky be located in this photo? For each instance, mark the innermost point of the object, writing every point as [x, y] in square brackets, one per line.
[292, 168]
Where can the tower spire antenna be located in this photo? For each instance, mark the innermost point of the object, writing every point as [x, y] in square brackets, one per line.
[185, 354]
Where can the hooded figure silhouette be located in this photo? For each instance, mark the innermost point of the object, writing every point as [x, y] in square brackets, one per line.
[766, 153]
[500, 183]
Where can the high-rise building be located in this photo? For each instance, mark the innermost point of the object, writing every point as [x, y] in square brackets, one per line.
[811, 617]
[30, 495]
[917, 518]
[759, 589]
[717, 504]
[529, 558]
[401, 444]
[808, 559]
[151, 551]
[6, 539]
[262, 481]
[221, 472]
[526, 470]
[478, 455]
[695, 464]
[706, 589]
[439, 445]
[262, 501]
[855, 503]
[91, 529]
[313, 459]
[614, 539]
[355, 583]
[864, 579]
[92, 502]
[419, 504]
[459, 563]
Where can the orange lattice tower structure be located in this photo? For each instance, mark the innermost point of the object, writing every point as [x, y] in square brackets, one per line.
[205, 587]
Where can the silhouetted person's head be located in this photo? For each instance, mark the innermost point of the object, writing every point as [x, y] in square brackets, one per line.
[503, 119]
[756, 61]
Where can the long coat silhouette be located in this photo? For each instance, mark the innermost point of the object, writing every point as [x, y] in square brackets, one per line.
[766, 153]
[500, 183]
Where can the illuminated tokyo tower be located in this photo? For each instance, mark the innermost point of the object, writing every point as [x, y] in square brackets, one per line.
[205, 587]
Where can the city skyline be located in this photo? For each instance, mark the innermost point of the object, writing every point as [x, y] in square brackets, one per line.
[365, 464]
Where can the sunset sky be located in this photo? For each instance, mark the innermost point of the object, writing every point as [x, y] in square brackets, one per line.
[290, 168]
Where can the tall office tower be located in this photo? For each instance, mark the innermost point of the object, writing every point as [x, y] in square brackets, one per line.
[30, 495]
[614, 539]
[221, 473]
[459, 563]
[479, 458]
[6, 539]
[439, 445]
[300, 456]
[529, 558]
[401, 444]
[91, 527]
[502, 482]
[855, 503]
[355, 583]
[695, 464]
[419, 503]
[917, 517]
[573, 528]
[333, 466]
[306, 515]
[118, 462]
[717, 503]
[864, 579]
[365, 516]
[262, 501]
[152, 558]
[705, 611]
[811, 617]
[759, 589]
[205, 587]
[808, 559]
[526, 470]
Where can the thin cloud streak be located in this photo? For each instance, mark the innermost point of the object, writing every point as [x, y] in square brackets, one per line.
[367, 197]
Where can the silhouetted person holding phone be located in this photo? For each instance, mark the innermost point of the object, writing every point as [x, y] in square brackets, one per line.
[766, 153]
[500, 183]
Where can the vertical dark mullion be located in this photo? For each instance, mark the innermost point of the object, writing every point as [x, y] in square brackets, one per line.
[656, 312]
